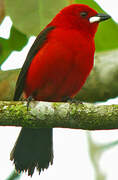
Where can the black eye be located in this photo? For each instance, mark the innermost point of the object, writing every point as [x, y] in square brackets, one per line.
[83, 14]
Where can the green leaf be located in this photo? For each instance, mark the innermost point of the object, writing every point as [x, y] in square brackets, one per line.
[16, 42]
[14, 176]
[30, 16]
[107, 34]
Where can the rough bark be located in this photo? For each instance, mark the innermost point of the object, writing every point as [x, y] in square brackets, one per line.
[64, 115]
[7, 84]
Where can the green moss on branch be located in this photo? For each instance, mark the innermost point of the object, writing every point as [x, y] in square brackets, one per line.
[65, 115]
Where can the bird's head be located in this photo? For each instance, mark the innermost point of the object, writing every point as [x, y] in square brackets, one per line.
[81, 17]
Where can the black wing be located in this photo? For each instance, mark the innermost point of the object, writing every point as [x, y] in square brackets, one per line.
[41, 38]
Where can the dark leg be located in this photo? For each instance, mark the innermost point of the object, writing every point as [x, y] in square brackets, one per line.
[29, 99]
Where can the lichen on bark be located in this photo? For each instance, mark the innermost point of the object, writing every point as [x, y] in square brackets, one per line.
[65, 115]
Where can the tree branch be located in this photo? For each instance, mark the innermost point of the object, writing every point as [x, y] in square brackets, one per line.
[64, 115]
[7, 84]
[101, 85]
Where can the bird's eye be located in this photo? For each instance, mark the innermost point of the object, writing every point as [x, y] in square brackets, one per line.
[83, 14]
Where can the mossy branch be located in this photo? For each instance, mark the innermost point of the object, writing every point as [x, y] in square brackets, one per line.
[64, 115]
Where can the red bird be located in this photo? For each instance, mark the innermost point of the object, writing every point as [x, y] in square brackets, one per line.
[55, 69]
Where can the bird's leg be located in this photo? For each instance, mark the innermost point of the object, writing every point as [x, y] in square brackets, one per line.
[29, 99]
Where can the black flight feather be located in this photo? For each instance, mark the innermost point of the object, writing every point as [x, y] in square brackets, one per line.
[38, 43]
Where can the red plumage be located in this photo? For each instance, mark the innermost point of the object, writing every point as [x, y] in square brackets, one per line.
[66, 58]
[55, 69]
[59, 66]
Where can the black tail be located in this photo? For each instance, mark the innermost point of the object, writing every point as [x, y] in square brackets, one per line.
[33, 148]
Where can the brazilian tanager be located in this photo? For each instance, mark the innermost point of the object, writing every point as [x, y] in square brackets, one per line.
[55, 70]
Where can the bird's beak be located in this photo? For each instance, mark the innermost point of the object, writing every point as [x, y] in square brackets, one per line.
[99, 17]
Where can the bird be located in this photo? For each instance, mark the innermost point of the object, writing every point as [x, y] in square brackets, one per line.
[56, 67]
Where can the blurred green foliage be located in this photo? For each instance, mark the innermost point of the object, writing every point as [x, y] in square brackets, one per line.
[107, 35]
[29, 17]
[95, 153]
[14, 176]
[16, 41]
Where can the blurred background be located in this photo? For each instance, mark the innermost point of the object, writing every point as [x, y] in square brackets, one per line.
[78, 154]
